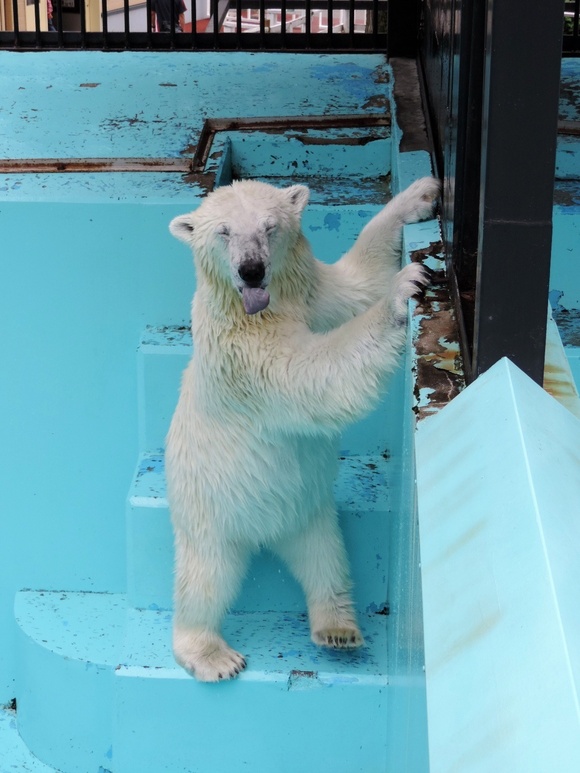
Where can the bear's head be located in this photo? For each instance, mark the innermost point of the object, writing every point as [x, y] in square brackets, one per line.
[243, 234]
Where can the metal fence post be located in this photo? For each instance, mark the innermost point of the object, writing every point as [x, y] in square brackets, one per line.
[403, 27]
[520, 112]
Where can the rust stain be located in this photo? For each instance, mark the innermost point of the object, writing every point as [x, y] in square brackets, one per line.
[378, 101]
[306, 140]
[189, 150]
[569, 127]
[438, 362]
[557, 383]
[462, 540]
[55, 165]
[205, 181]
[381, 75]
[279, 125]
[480, 630]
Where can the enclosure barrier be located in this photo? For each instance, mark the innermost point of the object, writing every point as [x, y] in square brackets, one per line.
[247, 25]
[313, 25]
[571, 42]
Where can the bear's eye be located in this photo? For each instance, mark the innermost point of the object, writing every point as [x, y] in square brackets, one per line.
[223, 230]
[270, 226]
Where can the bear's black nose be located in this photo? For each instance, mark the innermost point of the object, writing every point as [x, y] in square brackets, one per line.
[252, 272]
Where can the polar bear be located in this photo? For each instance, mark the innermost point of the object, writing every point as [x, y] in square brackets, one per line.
[287, 351]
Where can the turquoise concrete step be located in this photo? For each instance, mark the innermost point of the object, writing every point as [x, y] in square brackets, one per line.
[162, 355]
[363, 498]
[296, 707]
[67, 650]
[99, 690]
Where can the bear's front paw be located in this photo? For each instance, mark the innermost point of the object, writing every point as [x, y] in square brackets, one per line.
[207, 657]
[418, 200]
[338, 638]
[408, 282]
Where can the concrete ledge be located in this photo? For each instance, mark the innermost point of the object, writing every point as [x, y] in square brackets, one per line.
[498, 494]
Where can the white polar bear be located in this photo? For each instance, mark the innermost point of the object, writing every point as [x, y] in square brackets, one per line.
[288, 350]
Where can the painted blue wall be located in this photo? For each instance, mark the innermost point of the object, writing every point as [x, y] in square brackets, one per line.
[78, 285]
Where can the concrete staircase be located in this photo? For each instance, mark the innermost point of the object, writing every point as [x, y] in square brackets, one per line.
[98, 689]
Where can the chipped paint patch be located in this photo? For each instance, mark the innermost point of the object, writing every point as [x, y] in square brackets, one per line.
[332, 221]
[157, 339]
[303, 680]
[438, 362]
[568, 321]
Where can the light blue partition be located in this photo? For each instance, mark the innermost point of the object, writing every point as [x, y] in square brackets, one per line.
[499, 510]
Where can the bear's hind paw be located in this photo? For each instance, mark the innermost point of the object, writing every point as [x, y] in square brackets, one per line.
[338, 638]
[211, 665]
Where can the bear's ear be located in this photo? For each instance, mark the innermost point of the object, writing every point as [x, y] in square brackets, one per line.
[298, 196]
[182, 227]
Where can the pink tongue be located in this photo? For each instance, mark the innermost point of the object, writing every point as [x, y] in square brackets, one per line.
[255, 299]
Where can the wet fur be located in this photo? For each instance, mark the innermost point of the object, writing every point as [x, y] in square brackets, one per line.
[251, 452]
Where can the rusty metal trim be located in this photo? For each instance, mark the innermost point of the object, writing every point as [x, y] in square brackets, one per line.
[60, 165]
[278, 124]
[569, 127]
[196, 165]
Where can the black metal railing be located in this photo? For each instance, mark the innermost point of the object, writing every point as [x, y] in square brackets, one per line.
[571, 40]
[487, 67]
[313, 25]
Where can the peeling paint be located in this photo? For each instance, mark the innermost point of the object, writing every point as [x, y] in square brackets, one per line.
[438, 362]
[278, 125]
[568, 321]
[83, 165]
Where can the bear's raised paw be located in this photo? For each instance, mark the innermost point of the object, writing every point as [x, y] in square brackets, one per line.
[418, 201]
[408, 282]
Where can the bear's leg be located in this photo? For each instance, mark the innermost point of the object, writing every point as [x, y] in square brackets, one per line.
[384, 231]
[317, 558]
[206, 583]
